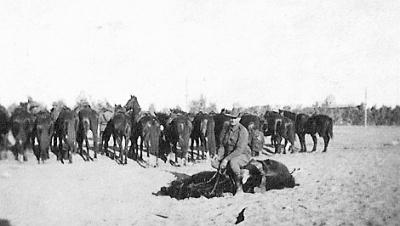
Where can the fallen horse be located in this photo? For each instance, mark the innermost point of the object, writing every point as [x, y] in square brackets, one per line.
[262, 175]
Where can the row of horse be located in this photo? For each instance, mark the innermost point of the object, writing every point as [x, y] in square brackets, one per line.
[65, 130]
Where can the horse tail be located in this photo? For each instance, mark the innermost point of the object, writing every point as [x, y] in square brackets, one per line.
[86, 124]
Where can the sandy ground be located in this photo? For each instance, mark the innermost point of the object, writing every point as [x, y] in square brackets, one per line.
[357, 182]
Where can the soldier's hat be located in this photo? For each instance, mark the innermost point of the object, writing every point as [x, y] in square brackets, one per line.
[235, 113]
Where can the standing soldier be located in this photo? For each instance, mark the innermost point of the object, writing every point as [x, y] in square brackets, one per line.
[233, 149]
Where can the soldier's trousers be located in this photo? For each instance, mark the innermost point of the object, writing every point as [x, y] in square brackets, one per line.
[238, 162]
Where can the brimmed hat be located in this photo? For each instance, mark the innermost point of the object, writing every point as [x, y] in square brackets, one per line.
[233, 114]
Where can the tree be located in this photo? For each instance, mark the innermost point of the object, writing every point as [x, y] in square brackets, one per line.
[328, 102]
[201, 105]
[198, 105]
[152, 108]
[212, 107]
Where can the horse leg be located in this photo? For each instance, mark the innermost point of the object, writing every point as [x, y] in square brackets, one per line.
[174, 150]
[148, 146]
[116, 142]
[141, 148]
[54, 146]
[191, 148]
[36, 151]
[126, 149]
[203, 147]
[314, 138]
[60, 153]
[136, 148]
[104, 145]
[68, 150]
[80, 146]
[24, 156]
[291, 148]
[95, 142]
[87, 148]
[284, 147]
[326, 142]
[301, 142]
[121, 151]
[277, 140]
[198, 145]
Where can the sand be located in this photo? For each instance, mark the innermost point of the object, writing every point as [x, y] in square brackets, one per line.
[357, 182]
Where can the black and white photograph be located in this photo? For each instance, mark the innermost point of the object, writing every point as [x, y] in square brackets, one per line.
[199, 112]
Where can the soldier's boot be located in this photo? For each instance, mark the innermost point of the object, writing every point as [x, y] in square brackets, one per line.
[239, 185]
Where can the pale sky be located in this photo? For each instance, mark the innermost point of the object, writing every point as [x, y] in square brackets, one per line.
[233, 51]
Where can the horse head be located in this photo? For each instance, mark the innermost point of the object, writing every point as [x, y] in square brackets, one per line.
[119, 109]
[133, 105]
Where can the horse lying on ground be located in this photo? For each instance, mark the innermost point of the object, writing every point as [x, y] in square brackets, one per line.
[257, 176]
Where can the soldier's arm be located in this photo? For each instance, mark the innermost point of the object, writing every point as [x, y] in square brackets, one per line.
[241, 145]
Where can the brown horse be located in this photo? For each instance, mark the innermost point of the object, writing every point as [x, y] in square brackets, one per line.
[88, 120]
[203, 135]
[133, 109]
[121, 130]
[43, 131]
[178, 132]
[148, 129]
[4, 128]
[66, 127]
[22, 123]
[321, 124]
[221, 121]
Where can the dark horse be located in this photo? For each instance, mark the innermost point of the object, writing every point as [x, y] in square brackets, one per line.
[121, 129]
[272, 120]
[106, 135]
[133, 109]
[251, 122]
[4, 128]
[148, 129]
[178, 131]
[221, 121]
[278, 127]
[88, 120]
[65, 128]
[43, 131]
[321, 124]
[164, 145]
[22, 123]
[203, 134]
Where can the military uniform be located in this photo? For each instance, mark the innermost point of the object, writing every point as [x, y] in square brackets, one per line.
[234, 147]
